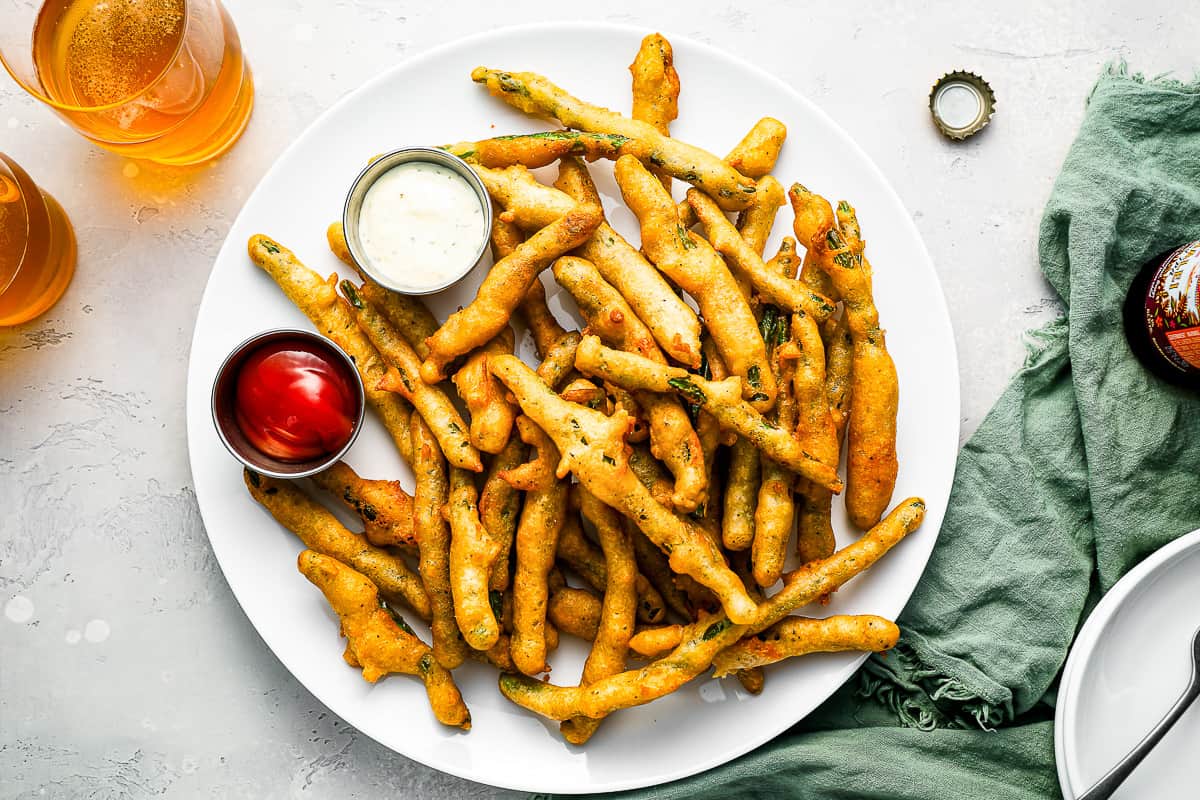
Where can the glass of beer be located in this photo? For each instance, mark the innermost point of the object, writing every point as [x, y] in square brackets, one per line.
[37, 247]
[163, 80]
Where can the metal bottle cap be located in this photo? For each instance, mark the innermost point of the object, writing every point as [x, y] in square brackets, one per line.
[962, 103]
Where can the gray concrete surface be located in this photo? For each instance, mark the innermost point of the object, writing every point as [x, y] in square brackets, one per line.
[126, 668]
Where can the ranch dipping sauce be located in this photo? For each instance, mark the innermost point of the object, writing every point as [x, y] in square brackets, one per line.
[421, 225]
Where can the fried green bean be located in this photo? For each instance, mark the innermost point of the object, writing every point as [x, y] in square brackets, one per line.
[755, 155]
[535, 150]
[815, 430]
[757, 221]
[655, 88]
[575, 611]
[871, 463]
[784, 292]
[384, 507]
[320, 530]
[722, 399]
[611, 642]
[672, 322]
[558, 364]
[404, 379]
[542, 519]
[798, 636]
[472, 556]
[503, 289]
[491, 414]
[500, 508]
[812, 214]
[526, 203]
[319, 301]
[741, 495]
[693, 264]
[593, 448]
[701, 641]
[536, 95]
[839, 365]
[429, 497]
[379, 643]
[775, 511]
[672, 438]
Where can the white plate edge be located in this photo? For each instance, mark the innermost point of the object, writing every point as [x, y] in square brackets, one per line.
[1066, 761]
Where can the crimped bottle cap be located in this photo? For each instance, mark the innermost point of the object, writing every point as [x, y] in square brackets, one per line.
[961, 103]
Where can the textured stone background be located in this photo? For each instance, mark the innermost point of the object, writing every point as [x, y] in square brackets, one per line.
[126, 668]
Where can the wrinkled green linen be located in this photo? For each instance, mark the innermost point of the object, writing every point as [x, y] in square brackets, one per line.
[1085, 465]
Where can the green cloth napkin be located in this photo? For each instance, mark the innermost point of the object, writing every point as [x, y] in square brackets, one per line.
[1085, 465]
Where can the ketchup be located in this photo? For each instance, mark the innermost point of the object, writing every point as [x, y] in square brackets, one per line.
[1162, 316]
[293, 402]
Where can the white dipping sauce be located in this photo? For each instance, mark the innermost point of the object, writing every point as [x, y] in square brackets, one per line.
[421, 225]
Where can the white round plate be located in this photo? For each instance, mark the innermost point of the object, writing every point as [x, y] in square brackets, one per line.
[1128, 666]
[431, 100]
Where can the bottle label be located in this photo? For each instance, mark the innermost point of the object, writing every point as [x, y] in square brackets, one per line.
[1173, 308]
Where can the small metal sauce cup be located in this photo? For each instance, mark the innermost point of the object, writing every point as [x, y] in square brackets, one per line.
[224, 399]
[364, 181]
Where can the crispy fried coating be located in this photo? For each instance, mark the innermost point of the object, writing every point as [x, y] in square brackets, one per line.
[871, 463]
[593, 448]
[384, 507]
[655, 642]
[798, 636]
[500, 508]
[672, 438]
[559, 363]
[692, 263]
[702, 640]
[503, 289]
[319, 530]
[544, 328]
[784, 292]
[542, 518]
[578, 553]
[404, 379]
[757, 221]
[491, 414]
[741, 495]
[526, 203]
[755, 155]
[812, 214]
[775, 511]
[839, 365]
[671, 321]
[536, 95]
[816, 432]
[535, 150]
[575, 611]
[722, 399]
[473, 553]
[655, 88]
[377, 642]
[429, 497]
[611, 642]
[319, 301]
[532, 310]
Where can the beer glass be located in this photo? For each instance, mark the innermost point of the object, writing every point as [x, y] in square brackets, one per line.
[163, 80]
[37, 247]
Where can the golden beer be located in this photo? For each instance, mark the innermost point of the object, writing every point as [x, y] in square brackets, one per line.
[37, 247]
[163, 80]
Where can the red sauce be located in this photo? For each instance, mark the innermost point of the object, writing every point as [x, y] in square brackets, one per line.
[294, 402]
